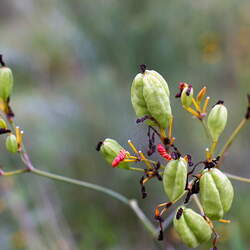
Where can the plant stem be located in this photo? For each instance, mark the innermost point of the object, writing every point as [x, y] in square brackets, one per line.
[237, 178]
[15, 172]
[198, 203]
[213, 147]
[232, 138]
[206, 129]
[131, 203]
[81, 183]
[146, 222]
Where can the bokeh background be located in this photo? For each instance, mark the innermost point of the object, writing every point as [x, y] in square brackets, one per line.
[73, 63]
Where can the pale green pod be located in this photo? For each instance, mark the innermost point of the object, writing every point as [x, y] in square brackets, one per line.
[174, 178]
[3, 124]
[161, 79]
[217, 120]
[137, 98]
[11, 143]
[191, 227]
[110, 149]
[186, 96]
[157, 99]
[216, 192]
[6, 83]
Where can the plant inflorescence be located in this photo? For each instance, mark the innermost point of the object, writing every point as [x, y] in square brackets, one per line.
[183, 180]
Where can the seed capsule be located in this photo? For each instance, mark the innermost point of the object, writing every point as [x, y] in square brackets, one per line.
[137, 99]
[150, 96]
[11, 143]
[216, 193]
[110, 149]
[186, 96]
[6, 83]
[174, 178]
[3, 124]
[191, 227]
[217, 120]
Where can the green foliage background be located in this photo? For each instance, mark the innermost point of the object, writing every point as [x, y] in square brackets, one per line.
[73, 63]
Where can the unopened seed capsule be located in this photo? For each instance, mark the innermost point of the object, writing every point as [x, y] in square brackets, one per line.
[217, 120]
[174, 178]
[6, 83]
[11, 143]
[186, 96]
[192, 228]
[150, 96]
[3, 124]
[216, 192]
[110, 149]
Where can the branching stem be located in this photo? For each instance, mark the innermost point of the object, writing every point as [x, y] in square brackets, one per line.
[232, 138]
[237, 178]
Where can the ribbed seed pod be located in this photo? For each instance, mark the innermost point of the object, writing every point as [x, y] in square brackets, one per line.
[110, 149]
[216, 192]
[157, 99]
[174, 178]
[217, 120]
[186, 96]
[191, 227]
[161, 79]
[137, 99]
[6, 83]
[11, 143]
[150, 96]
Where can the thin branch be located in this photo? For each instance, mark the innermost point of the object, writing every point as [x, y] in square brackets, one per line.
[237, 178]
[131, 203]
[198, 203]
[143, 218]
[232, 138]
[107, 191]
[204, 125]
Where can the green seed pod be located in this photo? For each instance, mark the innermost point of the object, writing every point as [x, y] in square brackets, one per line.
[150, 96]
[216, 193]
[217, 120]
[3, 124]
[11, 143]
[186, 96]
[110, 149]
[161, 79]
[174, 178]
[156, 96]
[6, 83]
[191, 227]
[137, 99]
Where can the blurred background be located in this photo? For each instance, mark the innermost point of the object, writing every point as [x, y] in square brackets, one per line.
[73, 64]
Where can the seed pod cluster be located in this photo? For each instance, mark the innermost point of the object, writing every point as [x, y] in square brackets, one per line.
[192, 228]
[174, 178]
[216, 192]
[110, 149]
[150, 97]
